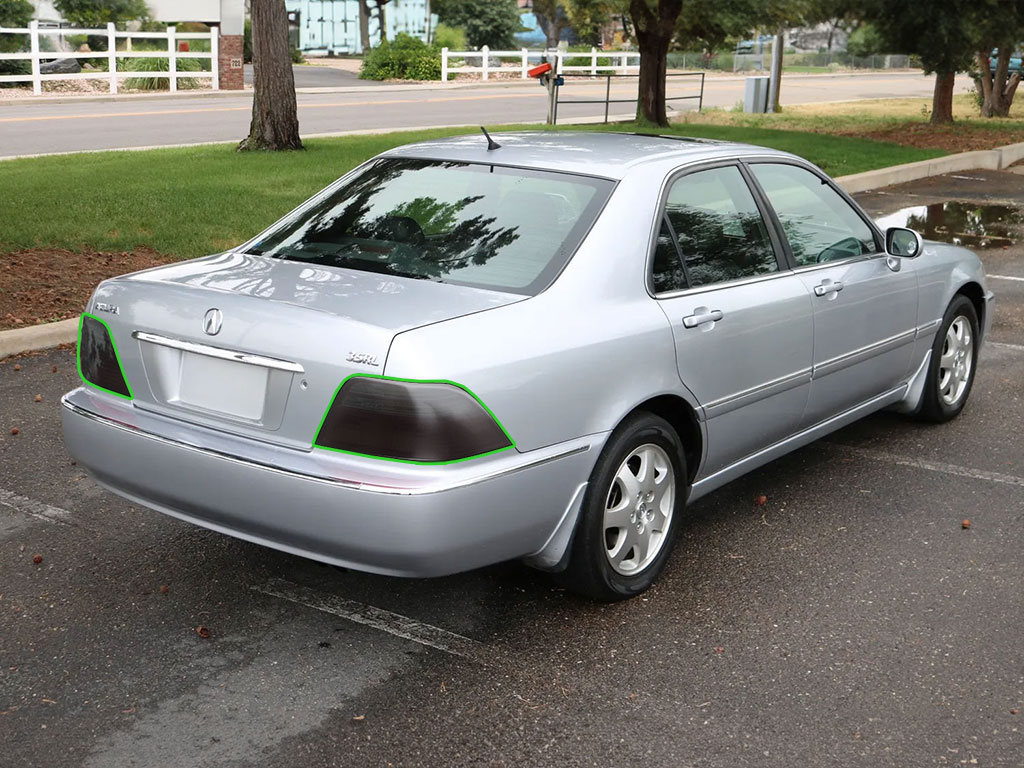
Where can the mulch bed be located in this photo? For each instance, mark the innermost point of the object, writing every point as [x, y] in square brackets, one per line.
[952, 138]
[45, 285]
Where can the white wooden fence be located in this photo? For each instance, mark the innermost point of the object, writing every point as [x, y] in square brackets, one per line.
[112, 54]
[622, 62]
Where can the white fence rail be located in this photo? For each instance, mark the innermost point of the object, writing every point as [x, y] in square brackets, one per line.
[112, 54]
[620, 62]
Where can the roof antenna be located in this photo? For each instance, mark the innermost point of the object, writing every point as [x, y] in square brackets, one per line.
[491, 143]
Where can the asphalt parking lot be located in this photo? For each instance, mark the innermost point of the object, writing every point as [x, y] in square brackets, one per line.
[851, 620]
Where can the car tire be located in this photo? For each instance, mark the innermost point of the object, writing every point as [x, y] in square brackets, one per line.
[953, 363]
[639, 481]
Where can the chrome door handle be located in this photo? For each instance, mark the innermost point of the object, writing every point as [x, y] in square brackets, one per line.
[828, 286]
[702, 315]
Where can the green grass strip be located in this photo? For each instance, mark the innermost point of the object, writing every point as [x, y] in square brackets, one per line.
[189, 202]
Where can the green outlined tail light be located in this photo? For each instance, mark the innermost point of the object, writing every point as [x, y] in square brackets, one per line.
[98, 362]
[423, 422]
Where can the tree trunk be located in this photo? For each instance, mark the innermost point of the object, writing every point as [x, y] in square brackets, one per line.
[942, 98]
[275, 121]
[364, 25]
[382, 20]
[997, 89]
[654, 31]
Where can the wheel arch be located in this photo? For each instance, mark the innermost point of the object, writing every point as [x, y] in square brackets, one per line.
[976, 294]
[683, 419]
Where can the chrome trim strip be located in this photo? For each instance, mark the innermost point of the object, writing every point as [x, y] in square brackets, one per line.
[350, 484]
[705, 485]
[844, 361]
[750, 396]
[218, 352]
[928, 327]
[723, 285]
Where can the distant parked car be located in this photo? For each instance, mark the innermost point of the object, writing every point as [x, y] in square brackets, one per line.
[542, 348]
[1016, 61]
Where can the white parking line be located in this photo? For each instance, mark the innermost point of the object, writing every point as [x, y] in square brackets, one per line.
[386, 621]
[1006, 277]
[935, 466]
[34, 509]
[1005, 345]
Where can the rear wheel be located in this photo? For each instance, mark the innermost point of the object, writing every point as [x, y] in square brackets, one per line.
[633, 501]
[953, 362]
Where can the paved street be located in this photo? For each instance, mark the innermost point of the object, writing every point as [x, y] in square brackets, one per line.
[43, 127]
[850, 621]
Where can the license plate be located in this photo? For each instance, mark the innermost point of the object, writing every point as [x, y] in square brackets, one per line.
[223, 386]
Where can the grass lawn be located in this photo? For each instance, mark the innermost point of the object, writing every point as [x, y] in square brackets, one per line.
[903, 121]
[193, 201]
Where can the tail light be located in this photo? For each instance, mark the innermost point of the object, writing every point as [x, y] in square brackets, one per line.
[98, 361]
[427, 422]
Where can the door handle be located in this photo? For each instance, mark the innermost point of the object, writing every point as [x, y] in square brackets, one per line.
[828, 286]
[702, 315]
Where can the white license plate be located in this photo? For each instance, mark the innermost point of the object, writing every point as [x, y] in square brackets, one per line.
[223, 386]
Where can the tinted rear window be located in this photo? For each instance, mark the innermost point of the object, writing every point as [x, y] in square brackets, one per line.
[487, 226]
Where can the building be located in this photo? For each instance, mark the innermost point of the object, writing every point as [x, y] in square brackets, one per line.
[331, 27]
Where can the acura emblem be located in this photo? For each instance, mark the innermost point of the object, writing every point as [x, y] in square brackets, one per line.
[213, 321]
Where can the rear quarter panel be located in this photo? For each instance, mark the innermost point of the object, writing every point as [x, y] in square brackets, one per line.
[575, 359]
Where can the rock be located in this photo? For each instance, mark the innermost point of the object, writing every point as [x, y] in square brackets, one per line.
[60, 67]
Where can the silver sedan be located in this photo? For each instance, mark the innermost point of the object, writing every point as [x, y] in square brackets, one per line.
[539, 347]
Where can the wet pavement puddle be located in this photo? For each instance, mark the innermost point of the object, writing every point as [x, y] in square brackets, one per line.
[975, 225]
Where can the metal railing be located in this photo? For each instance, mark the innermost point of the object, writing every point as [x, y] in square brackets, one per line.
[608, 100]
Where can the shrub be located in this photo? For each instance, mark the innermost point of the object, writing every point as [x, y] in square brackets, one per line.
[404, 58]
[452, 38]
[159, 65]
[14, 13]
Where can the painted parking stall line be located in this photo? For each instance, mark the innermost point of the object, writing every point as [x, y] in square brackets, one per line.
[378, 618]
[35, 509]
[933, 466]
[1005, 277]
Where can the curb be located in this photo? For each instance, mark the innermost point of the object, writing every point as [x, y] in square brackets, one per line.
[49, 335]
[986, 159]
[37, 337]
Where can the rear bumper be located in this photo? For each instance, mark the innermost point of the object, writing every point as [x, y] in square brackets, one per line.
[323, 507]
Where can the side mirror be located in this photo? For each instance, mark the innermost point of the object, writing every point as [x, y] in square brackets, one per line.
[905, 243]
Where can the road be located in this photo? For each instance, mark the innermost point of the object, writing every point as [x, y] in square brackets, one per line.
[45, 127]
[849, 621]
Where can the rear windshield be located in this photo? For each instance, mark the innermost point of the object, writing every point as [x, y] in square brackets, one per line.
[487, 226]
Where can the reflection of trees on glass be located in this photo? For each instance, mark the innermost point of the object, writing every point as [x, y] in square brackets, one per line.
[669, 274]
[434, 219]
[721, 246]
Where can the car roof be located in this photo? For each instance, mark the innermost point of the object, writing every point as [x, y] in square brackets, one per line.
[594, 153]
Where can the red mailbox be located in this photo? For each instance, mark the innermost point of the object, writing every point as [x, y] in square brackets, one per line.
[540, 69]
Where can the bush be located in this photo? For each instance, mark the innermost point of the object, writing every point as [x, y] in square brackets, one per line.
[14, 13]
[865, 40]
[159, 65]
[404, 58]
[452, 38]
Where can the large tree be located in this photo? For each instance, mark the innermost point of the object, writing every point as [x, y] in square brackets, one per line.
[939, 32]
[275, 121]
[655, 24]
[552, 18]
[999, 24]
[493, 23]
[97, 13]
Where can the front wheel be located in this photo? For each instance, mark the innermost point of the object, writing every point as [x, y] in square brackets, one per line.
[629, 514]
[954, 359]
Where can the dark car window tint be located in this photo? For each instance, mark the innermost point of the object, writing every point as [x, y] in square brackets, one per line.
[668, 273]
[502, 228]
[721, 233]
[819, 224]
